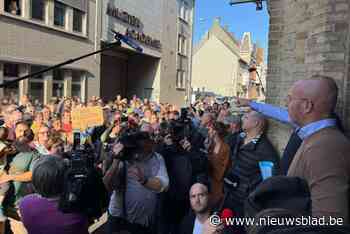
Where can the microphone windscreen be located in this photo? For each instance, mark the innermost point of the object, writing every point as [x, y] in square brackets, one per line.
[227, 213]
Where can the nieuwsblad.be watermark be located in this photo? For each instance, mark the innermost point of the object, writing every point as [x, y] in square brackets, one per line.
[216, 220]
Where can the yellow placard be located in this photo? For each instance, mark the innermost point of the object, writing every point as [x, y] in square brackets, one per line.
[85, 117]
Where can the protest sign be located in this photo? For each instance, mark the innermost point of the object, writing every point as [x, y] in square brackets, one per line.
[85, 117]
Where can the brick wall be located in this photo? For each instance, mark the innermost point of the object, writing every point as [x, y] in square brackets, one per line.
[306, 38]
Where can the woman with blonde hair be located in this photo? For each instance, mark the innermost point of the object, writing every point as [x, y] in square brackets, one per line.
[37, 123]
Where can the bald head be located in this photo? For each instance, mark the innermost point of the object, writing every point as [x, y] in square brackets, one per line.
[198, 187]
[322, 91]
[312, 99]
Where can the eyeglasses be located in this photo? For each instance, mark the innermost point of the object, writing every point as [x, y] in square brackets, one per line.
[42, 133]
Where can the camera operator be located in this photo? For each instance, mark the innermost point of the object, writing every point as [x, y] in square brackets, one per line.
[110, 137]
[112, 133]
[136, 176]
[48, 183]
[177, 156]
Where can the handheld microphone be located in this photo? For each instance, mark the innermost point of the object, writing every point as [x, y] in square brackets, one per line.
[225, 215]
[127, 40]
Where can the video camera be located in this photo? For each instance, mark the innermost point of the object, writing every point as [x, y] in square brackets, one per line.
[84, 190]
[132, 145]
[181, 128]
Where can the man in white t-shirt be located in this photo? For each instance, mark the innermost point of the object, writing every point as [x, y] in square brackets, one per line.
[195, 221]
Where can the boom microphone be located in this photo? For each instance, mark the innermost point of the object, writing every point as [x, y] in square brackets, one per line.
[130, 42]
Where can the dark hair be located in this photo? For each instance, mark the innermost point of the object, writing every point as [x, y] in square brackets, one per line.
[3, 133]
[227, 103]
[48, 176]
[23, 123]
[220, 128]
[200, 113]
[28, 135]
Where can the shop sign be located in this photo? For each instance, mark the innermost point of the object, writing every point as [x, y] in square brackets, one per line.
[123, 16]
[143, 38]
[134, 22]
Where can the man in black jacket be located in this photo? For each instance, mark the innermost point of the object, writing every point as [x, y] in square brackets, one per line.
[173, 204]
[252, 147]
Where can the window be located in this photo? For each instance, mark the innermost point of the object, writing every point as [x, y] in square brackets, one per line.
[78, 17]
[36, 85]
[58, 83]
[184, 11]
[181, 79]
[179, 45]
[38, 9]
[76, 83]
[178, 78]
[13, 7]
[11, 72]
[36, 91]
[35, 69]
[60, 14]
[58, 75]
[182, 45]
[184, 79]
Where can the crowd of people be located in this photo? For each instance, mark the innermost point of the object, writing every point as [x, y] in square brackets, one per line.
[167, 169]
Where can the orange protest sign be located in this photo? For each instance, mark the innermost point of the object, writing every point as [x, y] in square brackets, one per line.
[85, 117]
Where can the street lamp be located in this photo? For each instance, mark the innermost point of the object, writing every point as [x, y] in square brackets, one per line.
[259, 5]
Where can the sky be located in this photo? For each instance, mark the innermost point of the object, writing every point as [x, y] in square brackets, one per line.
[239, 19]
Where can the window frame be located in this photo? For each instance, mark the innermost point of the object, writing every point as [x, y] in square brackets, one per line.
[83, 15]
[65, 8]
[19, 4]
[11, 78]
[80, 83]
[182, 45]
[181, 80]
[184, 11]
[36, 81]
[44, 11]
[57, 82]
[37, 68]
